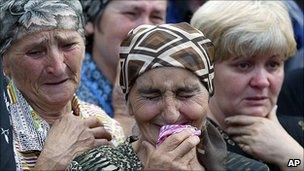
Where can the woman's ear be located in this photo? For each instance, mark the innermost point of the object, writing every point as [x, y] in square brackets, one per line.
[6, 66]
[89, 28]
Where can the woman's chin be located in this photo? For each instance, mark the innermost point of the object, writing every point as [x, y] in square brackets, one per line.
[58, 99]
[256, 111]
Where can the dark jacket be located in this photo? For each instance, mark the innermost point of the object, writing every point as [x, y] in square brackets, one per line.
[7, 160]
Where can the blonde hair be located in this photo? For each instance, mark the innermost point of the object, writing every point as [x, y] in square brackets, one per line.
[246, 28]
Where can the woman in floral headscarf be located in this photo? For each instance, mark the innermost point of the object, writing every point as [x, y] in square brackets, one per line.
[42, 47]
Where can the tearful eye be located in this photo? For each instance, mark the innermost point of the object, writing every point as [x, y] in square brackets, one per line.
[68, 46]
[243, 66]
[132, 15]
[35, 53]
[273, 65]
[157, 19]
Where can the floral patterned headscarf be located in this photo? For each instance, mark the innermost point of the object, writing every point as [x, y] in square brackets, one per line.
[22, 17]
[166, 45]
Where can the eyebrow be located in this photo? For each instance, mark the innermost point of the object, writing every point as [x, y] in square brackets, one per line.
[65, 37]
[151, 90]
[37, 44]
[140, 8]
[188, 89]
[44, 40]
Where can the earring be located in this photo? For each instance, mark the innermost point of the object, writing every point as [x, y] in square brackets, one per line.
[11, 92]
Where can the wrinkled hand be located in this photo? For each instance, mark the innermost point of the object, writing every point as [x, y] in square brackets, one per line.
[264, 138]
[68, 137]
[121, 113]
[177, 152]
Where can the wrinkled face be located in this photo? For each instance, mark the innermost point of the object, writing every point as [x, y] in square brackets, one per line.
[165, 96]
[119, 17]
[45, 66]
[247, 86]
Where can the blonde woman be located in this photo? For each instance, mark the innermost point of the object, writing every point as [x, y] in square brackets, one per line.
[252, 40]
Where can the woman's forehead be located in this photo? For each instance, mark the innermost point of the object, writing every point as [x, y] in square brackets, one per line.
[167, 77]
[260, 57]
[47, 35]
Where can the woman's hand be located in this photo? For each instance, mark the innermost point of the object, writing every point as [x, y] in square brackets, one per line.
[177, 152]
[68, 137]
[264, 138]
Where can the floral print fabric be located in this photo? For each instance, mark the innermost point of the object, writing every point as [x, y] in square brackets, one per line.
[95, 87]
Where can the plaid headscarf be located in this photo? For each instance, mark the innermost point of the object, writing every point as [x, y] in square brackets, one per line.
[167, 45]
[22, 17]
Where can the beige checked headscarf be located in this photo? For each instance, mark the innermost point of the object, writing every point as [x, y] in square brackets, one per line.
[167, 45]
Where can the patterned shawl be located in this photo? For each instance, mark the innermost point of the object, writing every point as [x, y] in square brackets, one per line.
[166, 45]
[23, 17]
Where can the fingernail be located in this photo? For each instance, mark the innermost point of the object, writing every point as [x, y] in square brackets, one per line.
[196, 140]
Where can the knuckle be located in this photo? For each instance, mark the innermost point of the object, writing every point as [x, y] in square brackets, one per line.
[190, 142]
[176, 139]
[254, 130]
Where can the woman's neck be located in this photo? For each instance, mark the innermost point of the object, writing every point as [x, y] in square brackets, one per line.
[107, 67]
[216, 114]
[50, 113]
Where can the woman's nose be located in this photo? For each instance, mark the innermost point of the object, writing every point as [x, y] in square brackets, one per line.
[55, 62]
[260, 79]
[170, 111]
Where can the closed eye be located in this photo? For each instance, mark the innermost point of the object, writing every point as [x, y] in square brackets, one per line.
[152, 97]
[150, 93]
[185, 95]
[131, 15]
[186, 92]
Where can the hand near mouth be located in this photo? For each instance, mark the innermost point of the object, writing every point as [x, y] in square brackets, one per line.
[177, 152]
[264, 138]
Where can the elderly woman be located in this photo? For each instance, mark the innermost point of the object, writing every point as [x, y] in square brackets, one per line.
[107, 24]
[167, 77]
[252, 39]
[42, 46]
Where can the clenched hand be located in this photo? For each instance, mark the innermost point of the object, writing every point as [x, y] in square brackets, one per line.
[177, 152]
[68, 137]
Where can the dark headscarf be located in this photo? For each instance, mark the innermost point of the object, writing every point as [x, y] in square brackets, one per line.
[22, 17]
[92, 9]
[166, 45]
